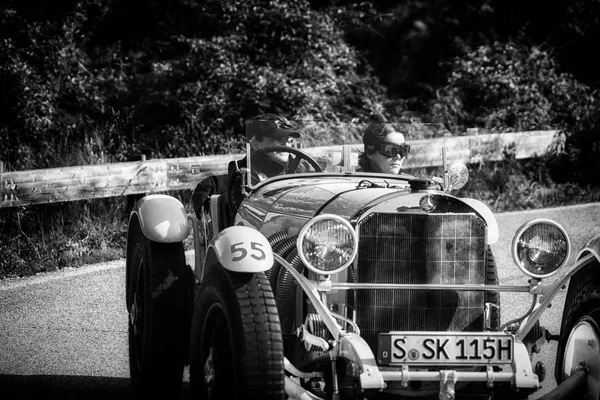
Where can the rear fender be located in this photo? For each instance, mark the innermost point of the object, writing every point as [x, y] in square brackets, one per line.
[239, 249]
[161, 218]
[488, 215]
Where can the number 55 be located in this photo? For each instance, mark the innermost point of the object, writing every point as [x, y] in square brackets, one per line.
[255, 248]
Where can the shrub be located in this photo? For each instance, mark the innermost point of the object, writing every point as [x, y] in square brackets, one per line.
[510, 87]
[259, 57]
[577, 160]
[52, 99]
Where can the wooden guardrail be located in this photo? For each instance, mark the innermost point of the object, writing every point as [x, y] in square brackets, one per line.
[23, 188]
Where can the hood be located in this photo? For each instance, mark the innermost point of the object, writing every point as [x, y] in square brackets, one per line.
[301, 199]
[289, 203]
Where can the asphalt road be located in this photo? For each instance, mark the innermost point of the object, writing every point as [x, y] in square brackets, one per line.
[64, 334]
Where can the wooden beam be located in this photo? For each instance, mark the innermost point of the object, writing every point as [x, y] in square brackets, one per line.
[23, 188]
[469, 149]
[474, 149]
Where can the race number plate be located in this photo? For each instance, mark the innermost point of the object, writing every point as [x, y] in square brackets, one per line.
[436, 348]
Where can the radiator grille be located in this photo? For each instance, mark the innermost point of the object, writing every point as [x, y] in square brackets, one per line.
[420, 248]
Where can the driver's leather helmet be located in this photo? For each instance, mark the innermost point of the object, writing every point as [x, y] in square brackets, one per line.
[270, 125]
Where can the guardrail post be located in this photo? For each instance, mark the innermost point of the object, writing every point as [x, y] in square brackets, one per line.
[1, 166]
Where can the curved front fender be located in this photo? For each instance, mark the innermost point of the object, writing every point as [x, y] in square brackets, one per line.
[591, 247]
[240, 249]
[162, 218]
[488, 215]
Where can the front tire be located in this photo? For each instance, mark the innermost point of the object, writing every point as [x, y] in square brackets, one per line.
[580, 333]
[159, 290]
[236, 344]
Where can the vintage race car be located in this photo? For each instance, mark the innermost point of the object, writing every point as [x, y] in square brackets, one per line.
[339, 284]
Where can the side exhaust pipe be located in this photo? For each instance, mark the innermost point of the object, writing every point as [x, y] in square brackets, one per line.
[571, 388]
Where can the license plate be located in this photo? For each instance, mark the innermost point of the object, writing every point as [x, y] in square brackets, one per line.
[436, 348]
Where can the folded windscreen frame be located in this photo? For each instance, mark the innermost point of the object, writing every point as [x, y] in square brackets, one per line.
[334, 146]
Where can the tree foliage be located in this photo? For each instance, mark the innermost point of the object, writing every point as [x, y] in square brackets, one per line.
[178, 82]
[82, 83]
[509, 87]
[49, 96]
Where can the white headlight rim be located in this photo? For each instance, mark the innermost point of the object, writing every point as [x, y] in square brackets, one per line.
[306, 228]
[527, 227]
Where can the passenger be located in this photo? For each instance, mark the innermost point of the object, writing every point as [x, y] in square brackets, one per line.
[266, 130]
[384, 148]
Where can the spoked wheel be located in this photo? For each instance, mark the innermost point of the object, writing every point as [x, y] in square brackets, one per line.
[581, 351]
[218, 352]
[236, 345]
[579, 346]
[159, 299]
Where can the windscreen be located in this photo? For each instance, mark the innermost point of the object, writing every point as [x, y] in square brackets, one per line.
[278, 146]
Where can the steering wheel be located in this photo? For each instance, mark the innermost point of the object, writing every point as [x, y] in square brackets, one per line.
[235, 178]
[294, 162]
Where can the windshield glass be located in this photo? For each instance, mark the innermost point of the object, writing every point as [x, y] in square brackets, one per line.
[279, 146]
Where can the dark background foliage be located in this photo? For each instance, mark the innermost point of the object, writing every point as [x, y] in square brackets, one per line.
[95, 81]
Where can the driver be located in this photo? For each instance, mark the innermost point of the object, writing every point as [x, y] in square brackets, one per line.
[265, 130]
[270, 130]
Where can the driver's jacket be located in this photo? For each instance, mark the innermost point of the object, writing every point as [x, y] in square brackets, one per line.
[262, 168]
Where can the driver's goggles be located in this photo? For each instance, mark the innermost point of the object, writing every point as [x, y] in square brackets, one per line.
[390, 149]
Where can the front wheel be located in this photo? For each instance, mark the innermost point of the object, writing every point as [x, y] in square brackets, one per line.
[159, 290]
[236, 346]
[579, 345]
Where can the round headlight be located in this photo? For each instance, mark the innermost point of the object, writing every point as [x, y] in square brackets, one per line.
[327, 244]
[540, 247]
